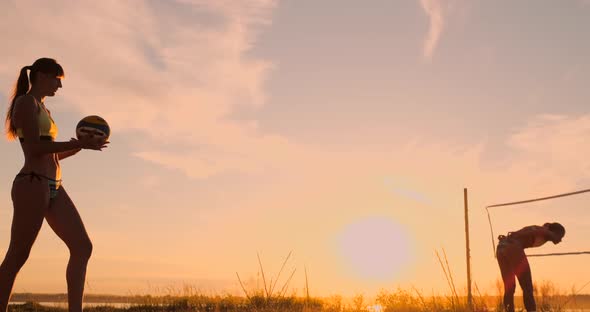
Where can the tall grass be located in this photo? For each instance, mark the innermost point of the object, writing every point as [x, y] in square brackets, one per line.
[403, 300]
[274, 296]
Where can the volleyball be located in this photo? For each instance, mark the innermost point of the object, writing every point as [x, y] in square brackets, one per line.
[93, 126]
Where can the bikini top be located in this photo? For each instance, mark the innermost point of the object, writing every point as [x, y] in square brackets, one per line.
[47, 127]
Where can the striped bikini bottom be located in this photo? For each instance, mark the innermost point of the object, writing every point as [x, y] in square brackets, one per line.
[53, 184]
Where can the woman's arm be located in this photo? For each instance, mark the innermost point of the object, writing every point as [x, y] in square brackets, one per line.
[44, 147]
[64, 155]
[548, 235]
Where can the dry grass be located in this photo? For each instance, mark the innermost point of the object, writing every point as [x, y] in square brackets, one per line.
[275, 297]
[399, 300]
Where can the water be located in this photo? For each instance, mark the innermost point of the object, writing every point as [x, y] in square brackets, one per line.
[84, 305]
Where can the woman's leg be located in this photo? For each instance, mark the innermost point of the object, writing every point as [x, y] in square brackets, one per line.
[505, 262]
[65, 221]
[525, 280]
[30, 200]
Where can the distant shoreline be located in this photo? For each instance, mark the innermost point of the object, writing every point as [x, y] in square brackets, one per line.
[140, 299]
[89, 298]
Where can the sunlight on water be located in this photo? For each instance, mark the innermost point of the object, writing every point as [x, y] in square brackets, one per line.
[64, 305]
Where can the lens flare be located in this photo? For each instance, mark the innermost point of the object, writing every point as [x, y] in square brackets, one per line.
[375, 248]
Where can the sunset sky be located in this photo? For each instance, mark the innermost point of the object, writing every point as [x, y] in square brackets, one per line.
[343, 131]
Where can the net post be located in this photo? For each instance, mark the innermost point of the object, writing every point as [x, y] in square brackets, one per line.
[467, 251]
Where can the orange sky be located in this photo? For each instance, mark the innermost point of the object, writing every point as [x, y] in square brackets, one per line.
[340, 131]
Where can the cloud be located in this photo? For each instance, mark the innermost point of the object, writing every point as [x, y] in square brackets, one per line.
[555, 144]
[434, 10]
[438, 12]
[172, 71]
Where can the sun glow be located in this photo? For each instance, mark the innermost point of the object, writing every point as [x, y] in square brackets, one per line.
[375, 248]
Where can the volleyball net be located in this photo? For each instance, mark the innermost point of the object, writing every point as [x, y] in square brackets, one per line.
[571, 209]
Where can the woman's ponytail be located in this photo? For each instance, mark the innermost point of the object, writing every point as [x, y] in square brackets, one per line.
[21, 87]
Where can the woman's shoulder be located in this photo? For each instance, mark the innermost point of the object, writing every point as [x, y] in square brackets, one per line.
[26, 102]
[24, 105]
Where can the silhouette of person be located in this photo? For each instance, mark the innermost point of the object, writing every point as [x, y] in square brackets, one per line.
[514, 264]
[37, 190]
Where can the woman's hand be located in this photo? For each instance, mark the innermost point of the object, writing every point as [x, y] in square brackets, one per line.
[91, 142]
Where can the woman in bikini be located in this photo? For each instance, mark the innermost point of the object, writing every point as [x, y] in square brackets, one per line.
[514, 264]
[37, 193]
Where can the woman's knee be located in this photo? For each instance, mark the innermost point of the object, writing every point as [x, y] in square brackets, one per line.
[82, 249]
[17, 256]
[509, 288]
